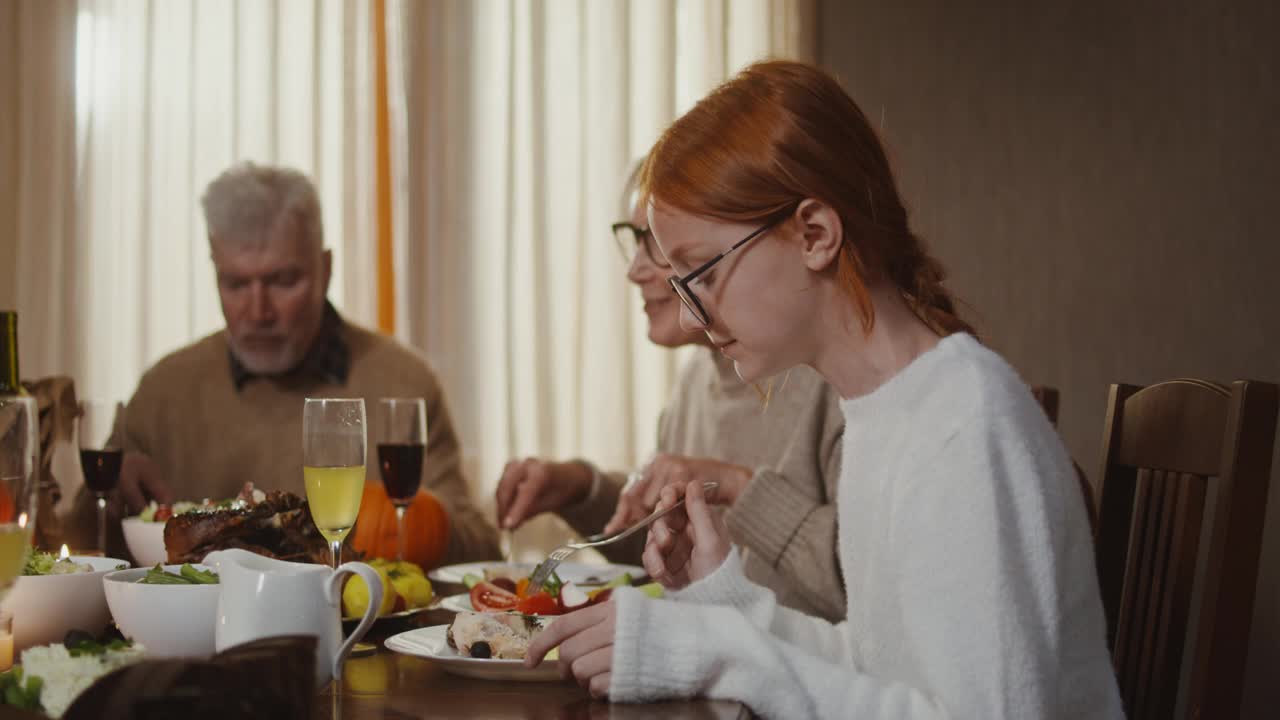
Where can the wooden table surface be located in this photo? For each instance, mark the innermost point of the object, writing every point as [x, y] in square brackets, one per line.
[389, 685]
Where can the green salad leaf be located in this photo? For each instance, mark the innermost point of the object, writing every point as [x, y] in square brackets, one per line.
[553, 585]
[15, 692]
[43, 563]
[39, 563]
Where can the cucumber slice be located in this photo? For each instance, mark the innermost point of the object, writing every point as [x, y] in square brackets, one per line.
[653, 590]
[470, 580]
[621, 581]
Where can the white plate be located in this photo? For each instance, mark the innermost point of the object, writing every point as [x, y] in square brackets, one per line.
[401, 615]
[576, 573]
[462, 603]
[457, 603]
[430, 643]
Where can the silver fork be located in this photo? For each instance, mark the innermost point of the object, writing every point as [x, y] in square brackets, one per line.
[560, 554]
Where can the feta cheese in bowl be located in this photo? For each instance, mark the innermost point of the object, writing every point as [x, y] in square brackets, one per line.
[65, 674]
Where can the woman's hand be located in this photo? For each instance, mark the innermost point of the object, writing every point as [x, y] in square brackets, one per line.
[532, 486]
[687, 544]
[585, 638]
[641, 498]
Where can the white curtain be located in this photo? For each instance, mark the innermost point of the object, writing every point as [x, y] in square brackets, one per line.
[522, 121]
[514, 122]
[37, 181]
[171, 93]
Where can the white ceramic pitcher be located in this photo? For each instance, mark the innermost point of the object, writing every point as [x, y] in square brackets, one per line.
[262, 597]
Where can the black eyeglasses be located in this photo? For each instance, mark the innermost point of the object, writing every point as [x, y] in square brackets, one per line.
[631, 238]
[681, 284]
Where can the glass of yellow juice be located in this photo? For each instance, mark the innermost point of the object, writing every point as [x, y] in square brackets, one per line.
[19, 453]
[333, 459]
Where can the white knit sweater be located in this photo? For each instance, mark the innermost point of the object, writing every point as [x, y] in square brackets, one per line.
[967, 563]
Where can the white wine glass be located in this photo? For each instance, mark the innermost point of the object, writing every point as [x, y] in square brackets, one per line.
[402, 445]
[19, 453]
[333, 460]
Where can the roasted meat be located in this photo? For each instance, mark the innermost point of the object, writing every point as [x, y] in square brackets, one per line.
[276, 524]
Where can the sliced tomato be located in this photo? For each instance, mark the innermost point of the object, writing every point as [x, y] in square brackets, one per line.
[539, 603]
[163, 513]
[486, 597]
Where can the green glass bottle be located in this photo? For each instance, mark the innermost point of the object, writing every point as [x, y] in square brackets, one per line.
[9, 377]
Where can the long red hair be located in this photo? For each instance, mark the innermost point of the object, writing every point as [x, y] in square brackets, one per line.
[780, 132]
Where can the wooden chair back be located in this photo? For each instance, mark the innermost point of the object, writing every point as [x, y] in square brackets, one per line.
[1163, 445]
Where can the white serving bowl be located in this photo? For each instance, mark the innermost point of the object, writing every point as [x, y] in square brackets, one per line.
[169, 620]
[145, 541]
[45, 607]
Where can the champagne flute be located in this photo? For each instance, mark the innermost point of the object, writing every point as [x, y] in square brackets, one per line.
[402, 443]
[19, 450]
[333, 456]
[100, 457]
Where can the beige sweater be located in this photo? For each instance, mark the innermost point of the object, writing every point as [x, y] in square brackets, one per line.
[785, 520]
[209, 439]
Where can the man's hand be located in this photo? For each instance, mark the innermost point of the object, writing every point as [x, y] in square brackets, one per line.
[687, 544]
[641, 498]
[585, 638]
[140, 483]
[532, 486]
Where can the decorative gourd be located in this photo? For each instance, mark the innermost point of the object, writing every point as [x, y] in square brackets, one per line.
[426, 526]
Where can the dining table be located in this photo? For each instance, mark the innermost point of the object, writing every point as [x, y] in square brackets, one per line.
[381, 684]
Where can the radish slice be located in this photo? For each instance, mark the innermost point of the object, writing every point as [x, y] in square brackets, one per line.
[572, 597]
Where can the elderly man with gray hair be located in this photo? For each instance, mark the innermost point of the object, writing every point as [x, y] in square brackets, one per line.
[227, 409]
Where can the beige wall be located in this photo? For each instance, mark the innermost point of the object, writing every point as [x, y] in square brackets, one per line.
[8, 150]
[1102, 181]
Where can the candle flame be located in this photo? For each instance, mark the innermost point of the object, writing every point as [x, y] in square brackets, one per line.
[22, 520]
[64, 553]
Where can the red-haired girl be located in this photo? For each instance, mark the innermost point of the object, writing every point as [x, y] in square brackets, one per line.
[963, 539]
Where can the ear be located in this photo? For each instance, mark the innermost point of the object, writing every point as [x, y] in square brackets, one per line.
[822, 234]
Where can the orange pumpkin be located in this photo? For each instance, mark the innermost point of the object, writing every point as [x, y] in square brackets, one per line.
[426, 526]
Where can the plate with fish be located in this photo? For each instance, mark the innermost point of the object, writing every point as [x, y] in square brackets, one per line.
[487, 646]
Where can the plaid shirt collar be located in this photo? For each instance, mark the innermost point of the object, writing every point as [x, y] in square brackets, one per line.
[329, 358]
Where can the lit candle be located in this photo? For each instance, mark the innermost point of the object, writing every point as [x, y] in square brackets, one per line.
[64, 553]
[6, 642]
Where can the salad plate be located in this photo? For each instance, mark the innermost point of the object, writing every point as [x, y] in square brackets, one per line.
[581, 574]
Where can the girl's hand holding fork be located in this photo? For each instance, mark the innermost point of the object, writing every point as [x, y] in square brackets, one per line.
[686, 544]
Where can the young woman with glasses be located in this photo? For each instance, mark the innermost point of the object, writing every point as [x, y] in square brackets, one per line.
[963, 540]
[777, 462]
